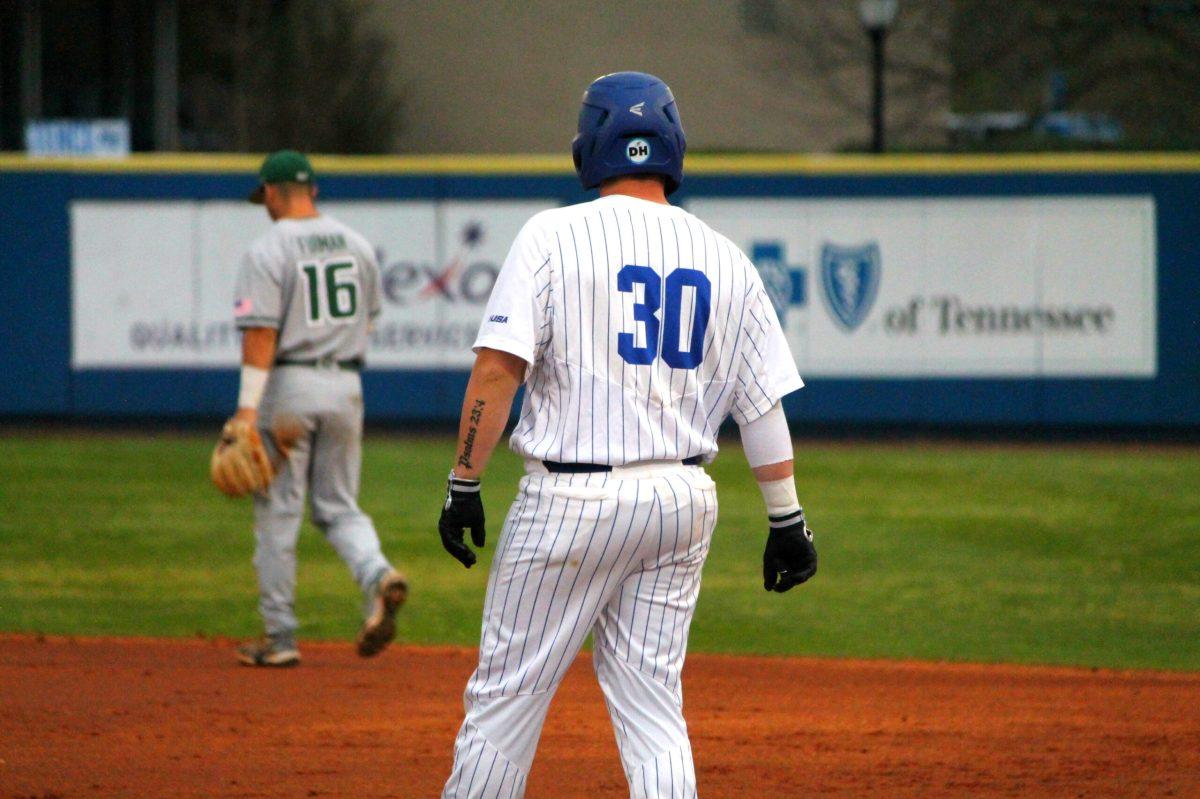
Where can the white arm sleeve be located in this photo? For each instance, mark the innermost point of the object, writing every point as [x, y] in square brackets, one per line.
[767, 439]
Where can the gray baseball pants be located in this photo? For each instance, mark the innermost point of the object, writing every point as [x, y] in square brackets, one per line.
[324, 464]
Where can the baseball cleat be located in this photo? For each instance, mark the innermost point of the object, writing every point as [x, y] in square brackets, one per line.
[278, 651]
[380, 627]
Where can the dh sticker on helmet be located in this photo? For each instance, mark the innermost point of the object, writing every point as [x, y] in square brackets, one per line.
[638, 151]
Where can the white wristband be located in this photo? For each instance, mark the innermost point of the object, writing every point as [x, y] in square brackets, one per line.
[254, 383]
[780, 496]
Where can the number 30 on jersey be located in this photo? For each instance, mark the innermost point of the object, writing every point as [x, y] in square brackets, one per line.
[646, 313]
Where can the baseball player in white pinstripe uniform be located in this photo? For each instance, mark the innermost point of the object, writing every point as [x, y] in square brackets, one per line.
[637, 330]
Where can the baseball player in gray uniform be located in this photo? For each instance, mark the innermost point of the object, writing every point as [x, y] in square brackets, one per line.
[305, 296]
[637, 330]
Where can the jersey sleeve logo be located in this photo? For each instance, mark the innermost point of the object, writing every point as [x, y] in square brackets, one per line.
[498, 319]
[243, 308]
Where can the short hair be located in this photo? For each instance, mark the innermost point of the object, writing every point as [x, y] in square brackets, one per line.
[291, 188]
[640, 176]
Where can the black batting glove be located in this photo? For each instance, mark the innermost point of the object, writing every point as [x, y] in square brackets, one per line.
[463, 509]
[790, 557]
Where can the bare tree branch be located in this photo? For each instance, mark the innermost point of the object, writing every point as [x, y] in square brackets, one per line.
[296, 73]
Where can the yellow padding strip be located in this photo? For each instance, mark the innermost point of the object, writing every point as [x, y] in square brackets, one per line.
[699, 164]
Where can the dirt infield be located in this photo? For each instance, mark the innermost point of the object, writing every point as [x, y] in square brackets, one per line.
[159, 718]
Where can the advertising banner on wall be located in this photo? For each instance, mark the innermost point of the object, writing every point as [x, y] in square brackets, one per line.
[152, 282]
[1006, 287]
[964, 287]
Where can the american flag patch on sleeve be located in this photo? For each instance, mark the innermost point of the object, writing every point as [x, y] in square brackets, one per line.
[243, 307]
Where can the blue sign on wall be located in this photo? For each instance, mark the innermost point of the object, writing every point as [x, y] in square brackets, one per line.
[97, 138]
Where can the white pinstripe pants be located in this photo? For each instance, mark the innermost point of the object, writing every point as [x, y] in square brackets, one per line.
[616, 555]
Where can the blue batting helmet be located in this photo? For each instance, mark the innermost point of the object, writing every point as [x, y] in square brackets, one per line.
[628, 125]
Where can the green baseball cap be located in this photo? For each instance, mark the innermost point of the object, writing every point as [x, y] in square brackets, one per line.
[282, 166]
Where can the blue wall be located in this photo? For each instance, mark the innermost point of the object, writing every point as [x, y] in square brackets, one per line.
[36, 329]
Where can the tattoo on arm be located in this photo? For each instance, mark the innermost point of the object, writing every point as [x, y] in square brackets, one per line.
[476, 415]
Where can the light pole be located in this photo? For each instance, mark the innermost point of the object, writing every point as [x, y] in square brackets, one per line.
[877, 16]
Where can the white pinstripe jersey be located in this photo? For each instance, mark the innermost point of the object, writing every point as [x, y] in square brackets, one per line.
[643, 329]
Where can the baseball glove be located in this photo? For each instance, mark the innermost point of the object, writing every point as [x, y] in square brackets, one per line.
[240, 464]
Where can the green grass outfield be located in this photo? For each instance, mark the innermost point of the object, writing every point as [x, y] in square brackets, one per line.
[1033, 554]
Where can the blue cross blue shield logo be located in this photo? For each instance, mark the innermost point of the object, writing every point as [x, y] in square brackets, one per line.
[784, 282]
[850, 278]
[774, 272]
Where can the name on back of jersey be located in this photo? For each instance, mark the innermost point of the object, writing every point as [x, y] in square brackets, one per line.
[321, 242]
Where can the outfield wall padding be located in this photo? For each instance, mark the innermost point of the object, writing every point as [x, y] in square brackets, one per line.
[850, 220]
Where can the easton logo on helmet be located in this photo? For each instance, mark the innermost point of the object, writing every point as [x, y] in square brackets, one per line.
[638, 151]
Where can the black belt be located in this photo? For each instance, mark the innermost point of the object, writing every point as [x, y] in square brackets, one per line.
[582, 468]
[350, 364]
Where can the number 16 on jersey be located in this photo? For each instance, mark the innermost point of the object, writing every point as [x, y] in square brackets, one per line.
[330, 290]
